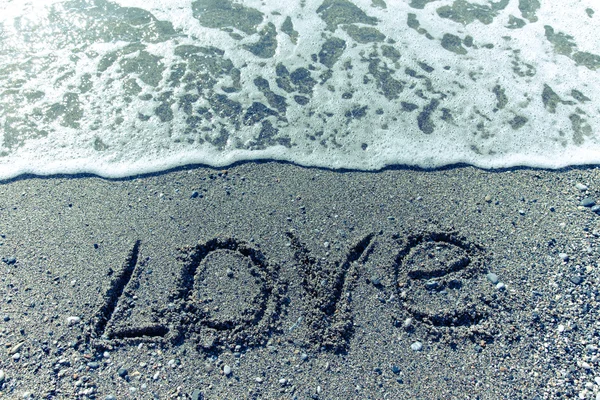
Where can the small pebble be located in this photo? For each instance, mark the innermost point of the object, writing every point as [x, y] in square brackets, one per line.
[2, 376]
[16, 348]
[500, 286]
[93, 364]
[431, 285]
[585, 365]
[122, 372]
[227, 370]
[407, 323]
[395, 369]
[576, 279]
[492, 278]
[9, 260]
[258, 379]
[194, 194]
[73, 321]
[416, 346]
[588, 202]
[564, 256]
[581, 186]
[596, 209]
[16, 356]
[304, 357]
[375, 281]
[197, 395]
[110, 397]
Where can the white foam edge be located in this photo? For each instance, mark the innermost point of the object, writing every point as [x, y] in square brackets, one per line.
[111, 170]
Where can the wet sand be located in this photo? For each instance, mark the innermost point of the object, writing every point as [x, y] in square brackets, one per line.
[269, 280]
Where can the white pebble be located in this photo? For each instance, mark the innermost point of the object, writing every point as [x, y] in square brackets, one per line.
[416, 346]
[581, 186]
[73, 321]
[16, 348]
[227, 370]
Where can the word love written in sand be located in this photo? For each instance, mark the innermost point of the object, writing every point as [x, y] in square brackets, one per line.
[228, 293]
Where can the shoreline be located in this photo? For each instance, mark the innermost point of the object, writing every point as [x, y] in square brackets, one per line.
[326, 280]
[216, 169]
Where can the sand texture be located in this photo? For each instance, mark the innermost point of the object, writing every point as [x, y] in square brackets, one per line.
[269, 280]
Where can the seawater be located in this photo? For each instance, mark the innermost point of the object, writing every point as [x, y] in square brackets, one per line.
[132, 86]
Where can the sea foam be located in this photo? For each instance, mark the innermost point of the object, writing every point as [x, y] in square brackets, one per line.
[129, 87]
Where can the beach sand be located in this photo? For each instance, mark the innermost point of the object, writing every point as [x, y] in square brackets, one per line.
[270, 280]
